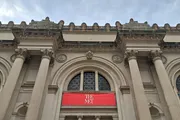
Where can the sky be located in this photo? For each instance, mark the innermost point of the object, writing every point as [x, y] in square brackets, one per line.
[91, 11]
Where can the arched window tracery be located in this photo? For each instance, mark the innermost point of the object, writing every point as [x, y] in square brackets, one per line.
[91, 81]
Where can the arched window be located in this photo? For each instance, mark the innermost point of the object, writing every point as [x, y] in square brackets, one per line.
[22, 111]
[178, 85]
[89, 81]
[155, 114]
[74, 83]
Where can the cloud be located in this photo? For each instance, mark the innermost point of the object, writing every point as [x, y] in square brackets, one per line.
[101, 11]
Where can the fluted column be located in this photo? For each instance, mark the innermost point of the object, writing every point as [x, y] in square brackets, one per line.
[169, 94]
[138, 89]
[10, 85]
[36, 103]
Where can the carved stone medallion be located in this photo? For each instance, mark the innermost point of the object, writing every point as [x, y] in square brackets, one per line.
[117, 58]
[61, 58]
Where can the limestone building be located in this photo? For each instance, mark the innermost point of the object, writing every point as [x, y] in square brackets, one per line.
[52, 71]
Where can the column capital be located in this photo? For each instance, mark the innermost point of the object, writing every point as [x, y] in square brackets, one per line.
[21, 53]
[47, 53]
[79, 117]
[131, 54]
[97, 117]
[155, 54]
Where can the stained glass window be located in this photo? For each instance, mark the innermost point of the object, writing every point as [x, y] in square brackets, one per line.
[89, 81]
[103, 83]
[178, 85]
[74, 83]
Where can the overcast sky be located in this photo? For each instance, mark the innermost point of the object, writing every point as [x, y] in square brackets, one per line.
[90, 11]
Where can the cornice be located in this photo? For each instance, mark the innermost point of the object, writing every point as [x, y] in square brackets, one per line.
[47, 24]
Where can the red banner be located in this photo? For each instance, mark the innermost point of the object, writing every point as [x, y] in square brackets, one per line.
[88, 99]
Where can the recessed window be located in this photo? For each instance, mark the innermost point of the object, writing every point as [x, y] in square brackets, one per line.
[89, 81]
[178, 85]
[22, 111]
[154, 113]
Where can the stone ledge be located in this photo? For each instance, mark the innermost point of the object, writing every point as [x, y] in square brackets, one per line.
[125, 89]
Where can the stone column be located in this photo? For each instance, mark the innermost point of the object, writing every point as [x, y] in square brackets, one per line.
[36, 103]
[169, 94]
[137, 86]
[10, 85]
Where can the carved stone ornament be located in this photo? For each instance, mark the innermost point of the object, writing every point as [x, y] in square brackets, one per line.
[117, 58]
[156, 54]
[61, 58]
[89, 55]
[131, 54]
[136, 25]
[47, 53]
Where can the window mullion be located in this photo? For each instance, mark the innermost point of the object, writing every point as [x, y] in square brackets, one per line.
[81, 80]
[96, 81]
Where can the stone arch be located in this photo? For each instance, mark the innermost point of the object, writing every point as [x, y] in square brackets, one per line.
[89, 68]
[105, 67]
[173, 70]
[4, 71]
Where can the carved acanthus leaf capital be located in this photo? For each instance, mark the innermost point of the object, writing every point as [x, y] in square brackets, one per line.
[156, 54]
[47, 53]
[21, 53]
[131, 54]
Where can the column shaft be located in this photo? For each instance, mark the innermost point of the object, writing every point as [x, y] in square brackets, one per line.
[10, 85]
[169, 94]
[35, 107]
[138, 89]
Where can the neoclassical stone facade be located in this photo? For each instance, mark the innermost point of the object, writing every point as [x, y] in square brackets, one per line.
[52, 71]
